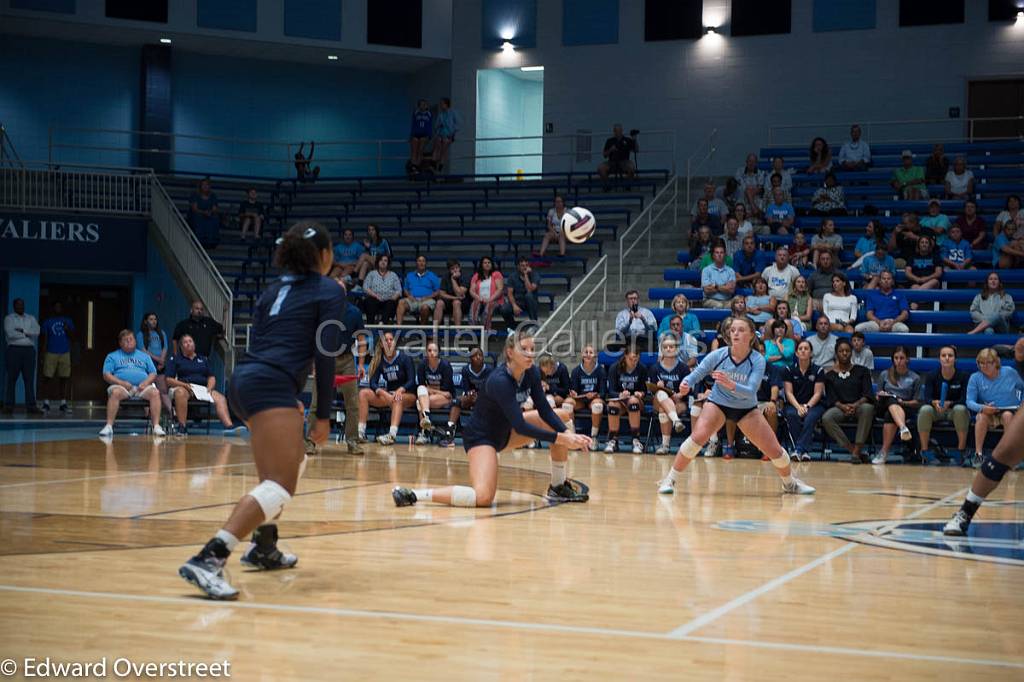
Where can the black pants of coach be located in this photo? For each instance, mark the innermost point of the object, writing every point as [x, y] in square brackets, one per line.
[21, 361]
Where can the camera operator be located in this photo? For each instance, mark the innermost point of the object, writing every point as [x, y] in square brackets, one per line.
[617, 150]
[637, 325]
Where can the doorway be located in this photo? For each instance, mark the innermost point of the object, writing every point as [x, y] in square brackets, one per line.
[996, 99]
[510, 104]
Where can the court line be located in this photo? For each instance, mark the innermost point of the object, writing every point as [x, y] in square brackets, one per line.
[125, 475]
[711, 616]
[510, 625]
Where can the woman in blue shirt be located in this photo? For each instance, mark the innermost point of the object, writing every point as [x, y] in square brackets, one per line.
[737, 371]
[994, 395]
[152, 341]
[680, 306]
[374, 245]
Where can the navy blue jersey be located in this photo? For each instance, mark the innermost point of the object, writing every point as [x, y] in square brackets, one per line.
[440, 378]
[772, 377]
[558, 383]
[594, 382]
[195, 370]
[472, 380]
[670, 377]
[620, 380]
[288, 317]
[396, 373]
[499, 409]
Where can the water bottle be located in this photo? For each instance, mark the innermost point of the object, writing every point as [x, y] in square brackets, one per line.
[942, 394]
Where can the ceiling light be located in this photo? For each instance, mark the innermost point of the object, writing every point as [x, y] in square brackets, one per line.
[165, 41]
[507, 33]
[710, 29]
[531, 68]
[507, 46]
[332, 57]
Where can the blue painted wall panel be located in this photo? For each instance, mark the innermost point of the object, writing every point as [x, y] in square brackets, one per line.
[590, 22]
[232, 15]
[517, 18]
[844, 15]
[60, 6]
[318, 19]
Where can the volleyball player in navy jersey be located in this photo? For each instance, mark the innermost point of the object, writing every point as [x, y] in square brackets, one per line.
[627, 388]
[737, 371]
[471, 380]
[586, 388]
[554, 378]
[292, 332]
[498, 423]
[394, 369]
[664, 380]
[435, 386]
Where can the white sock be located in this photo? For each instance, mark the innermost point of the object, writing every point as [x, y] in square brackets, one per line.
[976, 499]
[673, 475]
[788, 480]
[425, 494]
[557, 472]
[230, 540]
[362, 429]
[594, 431]
[393, 431]
[666, 440]
[671, 412]
[570, 426]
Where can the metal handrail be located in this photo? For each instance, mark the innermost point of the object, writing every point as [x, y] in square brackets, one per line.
[868, 126]
[647, 214]
[570, 302]
[692, 167]
[77, 187]
[7, 144]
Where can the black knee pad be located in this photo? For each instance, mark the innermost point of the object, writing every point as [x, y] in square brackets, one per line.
[614, 410]
[993, 469]
[634, 407]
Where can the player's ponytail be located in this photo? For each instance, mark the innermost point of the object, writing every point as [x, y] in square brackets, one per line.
[298, 250]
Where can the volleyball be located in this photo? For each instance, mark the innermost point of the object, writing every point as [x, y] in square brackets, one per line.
[578, 224]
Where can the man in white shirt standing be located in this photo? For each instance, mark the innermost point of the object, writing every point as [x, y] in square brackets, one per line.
[855, 155]
[21, 331]
[780, 275]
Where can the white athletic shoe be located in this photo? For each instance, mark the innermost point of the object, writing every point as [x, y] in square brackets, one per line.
[611, 446]
[797, 487]
[880, 458]
[905, 434]
[957, 525]
[422, 438]
[386, 439]
[638, 447]
[663, 450]
[593, 444]
[666, 487]
[208, 576]
[107, 431]
[425, 423]
[158, 431]
[678, 426]
[532, 445]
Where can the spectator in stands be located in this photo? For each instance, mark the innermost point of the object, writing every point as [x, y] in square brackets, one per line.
[487, 289]
[804, 393]
[820, 281]
[908, 180]
[446, 125]
[959, 180]
[785, 177]
[730, 193]
[780, 275]
[800, 301]
[779, 349]
[382, 290]
[191, 368]
[779, 214]
[420, 293]
[875, 263]
[830, 198]
[993, 394]
[522, 294]
[924, 270]
[700, 246]
[887, 309]
[937, 165]
[374, 245]
[152, 341]
[617, 150]
[251, 213]
[304, 171]
[732, 239]
[855, 155]
[823, 343]
[204, 215]
[751, 180]
[794, 327]
[392, 387]
[936, 221]
[1008, 251]
[553, 224]
[873, 232]
[689, 349]
[749, 261]
[897, 400]
[840, 305]
[992, 309]
[421, 130]
[703, 219]
[1010, 221]
[739, 211]
[942, 400]
[819, 156]
[826, 241]
[680, 306]
[715, 206]
[759, 208]
[760, 304]
[849, 395]
[130, 374]
[862, 354]
[955, 251]
[203, 329]
[634, 322]
[347, 253]
[973, 225]
[799, 250]
[903, 242]
[718, 280]
[1018, 356]
[454, 294]
[56, 335]
[738, 308]
[21, 331]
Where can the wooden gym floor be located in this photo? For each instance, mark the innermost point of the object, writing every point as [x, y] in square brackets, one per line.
[728, 579]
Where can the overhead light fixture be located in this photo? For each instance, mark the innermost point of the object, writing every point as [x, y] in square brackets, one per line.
[531, 68]
[165, 41]
[507, 47]
[507, 33]
[710, 29]
[332, 57]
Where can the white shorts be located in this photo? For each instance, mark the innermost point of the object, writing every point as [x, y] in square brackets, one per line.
[142, 395]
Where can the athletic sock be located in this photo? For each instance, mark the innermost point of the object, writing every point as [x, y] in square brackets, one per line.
[557, 473]
[666, 440]
[635, 432]
[788, 480]
[594, 430]
[362, 429]
[672, 414]
[971, 504]
[393, 431]
[673, 475]
[425, 494]
[229, 540]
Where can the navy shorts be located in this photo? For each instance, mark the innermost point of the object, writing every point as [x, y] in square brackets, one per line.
[254, 388]
[472, 437]
[734, 413]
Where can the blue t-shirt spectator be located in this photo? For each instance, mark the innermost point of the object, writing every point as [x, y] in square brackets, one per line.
[887, 306]
[747, 265]
[421, 286]
[55, 330]
[871, 266]
[997, 246]
[381, 248]
[346, 254]
[956, 252]
[154, 342]
[132, 367]
[865, 245]
[1004, 391]
[192, 371]
[776, 213]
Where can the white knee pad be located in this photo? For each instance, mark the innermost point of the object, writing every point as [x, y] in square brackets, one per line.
[551, 400]
[596, 408]
[422, 392]
[781, 462]
[689, 448]
[271, 497]
[661, 396]
[463, 496]
[663, 418]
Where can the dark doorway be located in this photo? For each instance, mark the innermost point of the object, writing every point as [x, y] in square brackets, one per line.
[98, 313]
[996, 99]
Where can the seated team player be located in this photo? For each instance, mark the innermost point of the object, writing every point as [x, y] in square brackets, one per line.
[627, 387]
[498, 423]
[397, 392]
[737, 371]
[185, 369]
[435, 387]
[131, 375]
[554, 379]
[899, 390]
[586, 386]
[942, 399]
[994, 395]
[663, 381]
[473, 376]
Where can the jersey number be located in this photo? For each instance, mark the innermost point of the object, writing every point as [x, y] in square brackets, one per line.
[281, 295]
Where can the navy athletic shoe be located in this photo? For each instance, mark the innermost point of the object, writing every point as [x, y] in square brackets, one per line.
[403, 497]
[263, 554]
[564, 492]
[206, 571]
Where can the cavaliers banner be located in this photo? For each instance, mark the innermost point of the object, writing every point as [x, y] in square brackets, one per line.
[72, 242]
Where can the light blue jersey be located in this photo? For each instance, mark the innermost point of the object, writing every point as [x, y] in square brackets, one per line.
[747, 373]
